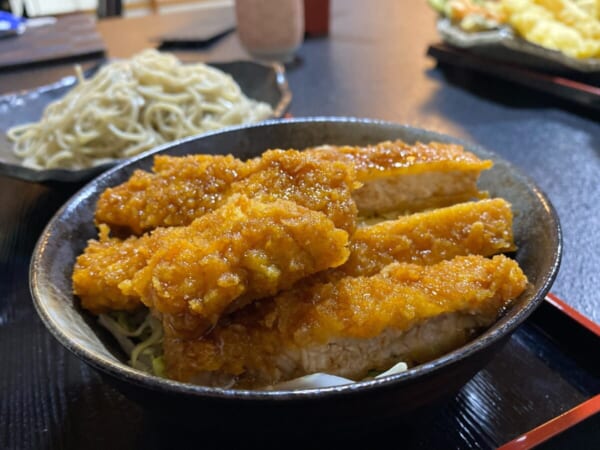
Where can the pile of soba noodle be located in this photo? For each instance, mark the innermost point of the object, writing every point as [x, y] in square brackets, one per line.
[130, 106]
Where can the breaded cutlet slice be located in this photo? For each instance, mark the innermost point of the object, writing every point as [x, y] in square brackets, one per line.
[482, 227]
[105, 263]
[402, 177]
[242, 251]
[407, 312]
[182, 189]
[177, 191]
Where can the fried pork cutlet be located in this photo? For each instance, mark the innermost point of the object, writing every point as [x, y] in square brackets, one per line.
[304, 179]
[104, 265]
[397, 176]
[483, 227]
[407, 312]
[179, 190]
[183, 189]
[242, 251]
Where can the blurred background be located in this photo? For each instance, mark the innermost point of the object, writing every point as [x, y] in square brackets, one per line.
[35, 8]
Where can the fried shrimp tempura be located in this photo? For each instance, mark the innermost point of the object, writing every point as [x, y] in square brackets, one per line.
[407, 312]
[182, 189]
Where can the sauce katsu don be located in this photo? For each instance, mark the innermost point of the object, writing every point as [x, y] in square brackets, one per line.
[336, 259]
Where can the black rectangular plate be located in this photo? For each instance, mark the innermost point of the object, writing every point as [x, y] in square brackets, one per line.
[580, 89]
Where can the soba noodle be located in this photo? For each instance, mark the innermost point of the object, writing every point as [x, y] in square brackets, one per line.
[131, 106]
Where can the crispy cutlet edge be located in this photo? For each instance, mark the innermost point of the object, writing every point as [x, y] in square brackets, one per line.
[496, 211]
[240, 209]
[483, 227]
[295, 350]
[405, 178]
[108, 207]
[394, 158]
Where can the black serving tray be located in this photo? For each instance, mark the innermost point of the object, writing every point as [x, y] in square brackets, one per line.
[542, 389]
[574, 87]
[568, 343]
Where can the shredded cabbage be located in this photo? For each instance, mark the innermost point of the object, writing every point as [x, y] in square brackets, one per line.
[140, 335]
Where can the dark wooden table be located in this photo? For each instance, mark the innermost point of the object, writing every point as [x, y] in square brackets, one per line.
[373, 64]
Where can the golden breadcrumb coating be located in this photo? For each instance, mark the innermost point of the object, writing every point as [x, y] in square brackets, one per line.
[103, 266]
[182, 189]
[271, 340]
[242, 251]
[259, 273]
[397, 176]
[179, 190]
[483, 227]
[306, 180]
[394, 157]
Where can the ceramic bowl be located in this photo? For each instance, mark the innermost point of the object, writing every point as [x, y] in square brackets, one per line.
[537, 234]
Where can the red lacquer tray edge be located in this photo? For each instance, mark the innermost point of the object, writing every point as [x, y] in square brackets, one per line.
[571, 417]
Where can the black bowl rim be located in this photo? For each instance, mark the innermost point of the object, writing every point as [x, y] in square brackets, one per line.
[132, 376]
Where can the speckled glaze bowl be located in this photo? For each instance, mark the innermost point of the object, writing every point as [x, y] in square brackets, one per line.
[537, 234]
